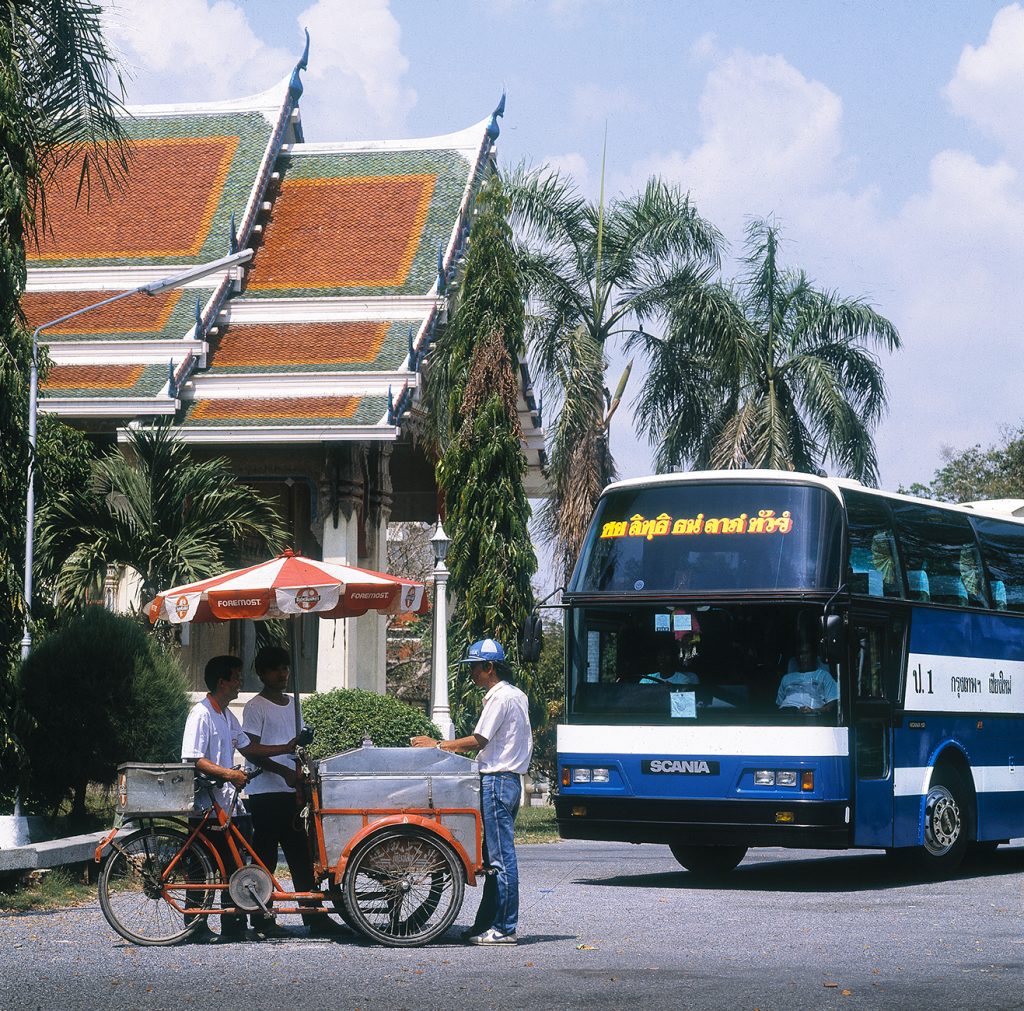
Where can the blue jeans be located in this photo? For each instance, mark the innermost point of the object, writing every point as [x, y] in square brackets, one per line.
[500, 793]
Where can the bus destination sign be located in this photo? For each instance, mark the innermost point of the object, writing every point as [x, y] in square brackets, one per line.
[664, 525]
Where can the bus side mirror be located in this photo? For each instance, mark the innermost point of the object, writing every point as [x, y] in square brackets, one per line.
[833, 637]
[532, 639]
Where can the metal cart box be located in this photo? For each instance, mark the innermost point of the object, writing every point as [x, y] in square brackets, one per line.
[366, 784]
[155, 789]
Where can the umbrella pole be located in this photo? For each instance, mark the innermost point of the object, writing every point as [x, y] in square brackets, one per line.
[296, 631]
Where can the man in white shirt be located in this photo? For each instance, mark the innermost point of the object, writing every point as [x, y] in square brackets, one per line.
[269, 721]
[504, 742]
[212, 735]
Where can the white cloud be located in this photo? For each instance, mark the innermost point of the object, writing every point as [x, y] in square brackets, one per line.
[358, 67]
[988, 86]
[768, 137]
[191, 51]
[197, 50]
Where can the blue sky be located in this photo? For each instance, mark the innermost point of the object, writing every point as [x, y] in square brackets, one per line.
[885, 137]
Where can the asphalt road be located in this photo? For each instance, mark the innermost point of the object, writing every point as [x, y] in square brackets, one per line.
[603, 926]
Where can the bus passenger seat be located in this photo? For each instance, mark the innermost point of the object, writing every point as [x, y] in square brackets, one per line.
[998, 594]
[917, 580]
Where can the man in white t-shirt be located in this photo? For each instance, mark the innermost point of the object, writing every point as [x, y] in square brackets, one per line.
[269, 721]
[212, 735]
[504, 742]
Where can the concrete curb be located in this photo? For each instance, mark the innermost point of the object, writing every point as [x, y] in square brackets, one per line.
[74, 849]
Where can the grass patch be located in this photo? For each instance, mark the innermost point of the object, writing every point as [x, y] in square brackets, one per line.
[51, 890]
[536, 825]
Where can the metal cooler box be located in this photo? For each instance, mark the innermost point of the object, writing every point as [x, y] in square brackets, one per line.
[155, 789]
[369, 783]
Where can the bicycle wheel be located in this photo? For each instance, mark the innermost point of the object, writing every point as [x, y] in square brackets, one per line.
[136, 889]
[403, 887]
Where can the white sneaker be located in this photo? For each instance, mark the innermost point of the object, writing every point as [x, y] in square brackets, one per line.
[493, 936]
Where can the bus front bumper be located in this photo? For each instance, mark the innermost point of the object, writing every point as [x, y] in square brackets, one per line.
[798, 823]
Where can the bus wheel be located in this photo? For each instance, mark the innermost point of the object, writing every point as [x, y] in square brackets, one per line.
[710, 860]
[946, 824]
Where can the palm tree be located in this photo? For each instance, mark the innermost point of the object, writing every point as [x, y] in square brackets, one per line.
[59, 99]
[592, 273]
[158, 511]
[777, 373]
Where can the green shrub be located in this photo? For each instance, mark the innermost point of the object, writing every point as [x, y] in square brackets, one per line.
[99, 692]
[343, 717]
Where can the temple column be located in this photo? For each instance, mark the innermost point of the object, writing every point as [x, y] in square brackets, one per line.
[341, 497]
[371, 628]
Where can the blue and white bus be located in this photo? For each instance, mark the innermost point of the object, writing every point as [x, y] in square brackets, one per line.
[762, 658]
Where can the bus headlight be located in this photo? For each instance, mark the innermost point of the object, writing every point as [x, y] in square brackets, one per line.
[785, 777]
[581, 775]
[764, 777]
[600, 775]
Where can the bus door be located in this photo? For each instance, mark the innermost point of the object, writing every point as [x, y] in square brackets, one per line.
[876, 657]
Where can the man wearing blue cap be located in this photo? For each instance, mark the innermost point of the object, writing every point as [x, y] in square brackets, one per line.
[504, 743]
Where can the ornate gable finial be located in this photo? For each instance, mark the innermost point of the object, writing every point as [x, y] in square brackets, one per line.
[295, 84]
[499, 110]
[232, 238]
[199, 335]
[442, 281]
[171, 391]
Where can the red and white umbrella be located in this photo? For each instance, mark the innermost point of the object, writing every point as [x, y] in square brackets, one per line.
[287, 585]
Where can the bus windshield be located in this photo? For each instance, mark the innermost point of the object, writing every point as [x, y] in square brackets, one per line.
[750, 663]
[711, 536]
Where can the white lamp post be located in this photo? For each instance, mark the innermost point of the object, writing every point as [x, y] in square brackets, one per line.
[440, 712]
[153, 288]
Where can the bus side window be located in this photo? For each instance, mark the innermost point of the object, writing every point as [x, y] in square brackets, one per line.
[872, 563]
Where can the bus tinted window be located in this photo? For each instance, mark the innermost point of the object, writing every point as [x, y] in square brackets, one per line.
[1002, 545]
[873, 562]
[711, 536]
[941, 556]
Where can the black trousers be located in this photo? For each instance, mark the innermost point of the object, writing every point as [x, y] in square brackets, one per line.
[275, 822]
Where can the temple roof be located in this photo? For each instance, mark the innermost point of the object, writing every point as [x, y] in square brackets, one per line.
[320, 337]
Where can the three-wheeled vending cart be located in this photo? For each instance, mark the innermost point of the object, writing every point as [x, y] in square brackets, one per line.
[395, 835]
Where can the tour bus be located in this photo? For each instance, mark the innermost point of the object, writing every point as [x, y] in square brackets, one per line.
[764, 658]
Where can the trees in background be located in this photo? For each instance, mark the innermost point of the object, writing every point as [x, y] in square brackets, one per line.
[591, 273]
[97, 692]
[58, 88]
[994, 472]
[773, 372]
[157, 510]
[474, 391]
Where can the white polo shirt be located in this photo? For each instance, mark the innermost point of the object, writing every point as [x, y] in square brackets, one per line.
[505, 722]
[215, 736]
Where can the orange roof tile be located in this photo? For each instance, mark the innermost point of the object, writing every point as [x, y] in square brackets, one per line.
[166, 208]
[100, 377]
[136, 314]
[272, 407]
[257, 346]
[343, 233]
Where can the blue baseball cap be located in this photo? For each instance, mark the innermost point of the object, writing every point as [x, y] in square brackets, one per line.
[485, 651]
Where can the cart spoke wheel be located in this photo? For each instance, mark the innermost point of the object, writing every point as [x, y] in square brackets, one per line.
[141, 878]
[403, 887]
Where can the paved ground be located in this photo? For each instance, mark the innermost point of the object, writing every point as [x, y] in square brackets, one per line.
[603, 926]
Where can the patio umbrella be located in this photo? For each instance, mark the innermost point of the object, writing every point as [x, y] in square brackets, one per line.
[285, 586]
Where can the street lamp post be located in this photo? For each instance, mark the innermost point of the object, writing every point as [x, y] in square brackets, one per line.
[153, 288]
[440, 711]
